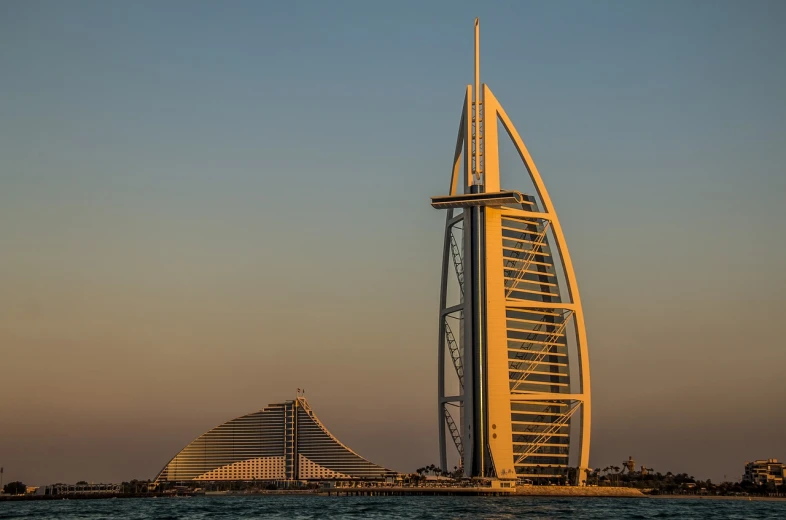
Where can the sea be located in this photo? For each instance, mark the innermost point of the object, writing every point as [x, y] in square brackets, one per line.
[446, 507]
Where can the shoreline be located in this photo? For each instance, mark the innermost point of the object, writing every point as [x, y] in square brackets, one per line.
[578, 492]
[527, 491]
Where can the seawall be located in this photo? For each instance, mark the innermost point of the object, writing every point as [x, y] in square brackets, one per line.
[571, 491]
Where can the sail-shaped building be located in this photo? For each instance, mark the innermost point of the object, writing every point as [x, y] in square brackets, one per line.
[283, 441]
[513, 369]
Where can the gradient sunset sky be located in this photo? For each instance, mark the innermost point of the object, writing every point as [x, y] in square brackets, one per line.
[206, 205]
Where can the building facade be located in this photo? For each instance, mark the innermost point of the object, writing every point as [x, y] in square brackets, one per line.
[515, 400]
[284, 441]
[764, 471]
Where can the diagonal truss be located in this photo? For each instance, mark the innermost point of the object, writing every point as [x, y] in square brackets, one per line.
[455, 353]
[455, 434]
[544, 436]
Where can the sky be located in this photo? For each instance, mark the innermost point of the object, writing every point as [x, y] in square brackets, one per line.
[204, 206]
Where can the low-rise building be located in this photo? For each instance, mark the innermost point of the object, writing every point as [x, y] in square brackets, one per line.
[763, 471]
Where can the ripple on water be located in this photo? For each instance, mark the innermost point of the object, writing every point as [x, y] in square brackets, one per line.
[312, 507]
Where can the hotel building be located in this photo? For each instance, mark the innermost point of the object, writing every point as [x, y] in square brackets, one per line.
[764, 471]
[515, 400]
[284, 441]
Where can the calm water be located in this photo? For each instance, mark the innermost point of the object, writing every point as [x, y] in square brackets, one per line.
[391, 507]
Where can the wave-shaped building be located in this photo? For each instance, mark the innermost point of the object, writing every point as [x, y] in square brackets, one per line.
[284, 441]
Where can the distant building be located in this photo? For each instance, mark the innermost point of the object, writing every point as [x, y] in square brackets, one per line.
[282, 442]
[78, 489]
[763, 471]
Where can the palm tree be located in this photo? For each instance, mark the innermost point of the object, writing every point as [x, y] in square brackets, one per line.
[606, 471]
[617, 470]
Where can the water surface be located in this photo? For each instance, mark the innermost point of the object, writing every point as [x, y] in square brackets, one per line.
[304, 507]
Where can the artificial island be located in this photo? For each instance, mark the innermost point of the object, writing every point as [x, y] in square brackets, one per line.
[515, 402]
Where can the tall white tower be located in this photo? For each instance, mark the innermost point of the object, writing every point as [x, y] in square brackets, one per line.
[510, 319]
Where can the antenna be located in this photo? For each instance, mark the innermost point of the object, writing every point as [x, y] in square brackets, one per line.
[477, 60]
[477, 152]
